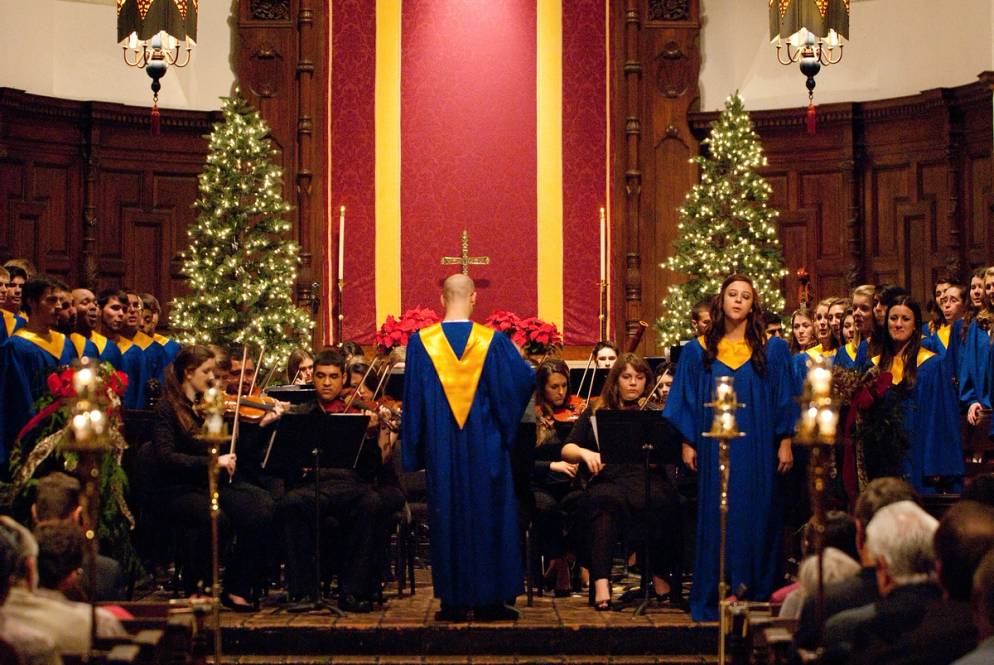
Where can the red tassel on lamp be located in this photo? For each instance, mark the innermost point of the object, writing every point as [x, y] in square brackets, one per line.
[811, 117]
[156, 126]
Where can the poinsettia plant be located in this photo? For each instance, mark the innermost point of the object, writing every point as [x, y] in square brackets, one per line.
[504, 322]
[537, 336]
[396, 332]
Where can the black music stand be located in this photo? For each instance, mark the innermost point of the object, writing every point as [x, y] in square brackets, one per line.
[294, 394]
[638, 437]
[581, 386]
[306, 435]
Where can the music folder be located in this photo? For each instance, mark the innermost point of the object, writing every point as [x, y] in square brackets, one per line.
[596, 375]
[621, 435]
[338, 436]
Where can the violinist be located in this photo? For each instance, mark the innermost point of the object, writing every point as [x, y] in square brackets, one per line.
[182, 461]
[605, 353]
[614, 503]
[362, 495]
[552, 478]
[299, 368]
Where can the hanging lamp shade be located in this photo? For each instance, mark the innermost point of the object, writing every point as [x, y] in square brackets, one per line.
[141, 20]
[827, 20]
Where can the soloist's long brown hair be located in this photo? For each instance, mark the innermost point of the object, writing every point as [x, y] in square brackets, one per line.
[755, 326]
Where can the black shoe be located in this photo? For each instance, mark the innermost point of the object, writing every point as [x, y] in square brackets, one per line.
[604, 606]
[496, 613]
[245, 608]
[452, 614]
[349, 603]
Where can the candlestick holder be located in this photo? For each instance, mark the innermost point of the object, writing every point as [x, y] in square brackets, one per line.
[817, 429]
[89, 440]
[214, 433]
[724, 428]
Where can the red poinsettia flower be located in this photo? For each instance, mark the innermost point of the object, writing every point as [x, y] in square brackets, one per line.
[117, 382]
[503, 321]
[536, 335]
[396, 332]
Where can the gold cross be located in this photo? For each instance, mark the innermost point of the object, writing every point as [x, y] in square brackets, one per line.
[465, 260]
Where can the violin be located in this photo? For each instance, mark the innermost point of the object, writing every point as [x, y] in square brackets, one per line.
[389, 416]
[251, 408]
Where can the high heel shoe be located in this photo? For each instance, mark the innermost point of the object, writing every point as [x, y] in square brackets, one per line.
[243, 608]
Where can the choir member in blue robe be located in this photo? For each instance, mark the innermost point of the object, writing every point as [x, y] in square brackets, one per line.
[27, 358]
[974, 382]
[465, 391]
[65, 323]
[762, 372]
[153, 355]
[151, 311]
[114, 311]
[931, 419]
[88, 319]
[852, 355]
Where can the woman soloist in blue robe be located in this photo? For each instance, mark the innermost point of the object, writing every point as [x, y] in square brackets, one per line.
[929, 398]
[736, 346]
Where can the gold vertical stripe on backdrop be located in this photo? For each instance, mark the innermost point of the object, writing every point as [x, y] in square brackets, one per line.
[549, 107]
[387, 128]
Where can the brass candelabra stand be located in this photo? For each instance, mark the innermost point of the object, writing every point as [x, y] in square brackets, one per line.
[214, 433]
[89, 440]
[817, 429]
[724, 428]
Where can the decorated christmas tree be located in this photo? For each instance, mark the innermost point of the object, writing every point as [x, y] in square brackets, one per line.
[241, 264]
[725, 225]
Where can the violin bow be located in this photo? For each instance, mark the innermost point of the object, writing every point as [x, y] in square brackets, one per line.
[238, 402]
[383, 380]
[348, 402]
[583, 378]
[258, 366]
[645, 400]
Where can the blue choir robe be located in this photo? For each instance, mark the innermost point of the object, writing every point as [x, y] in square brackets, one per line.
[974, 382]
[26, 361]
[11, 323]
[472, 508]
[931, 422]
[799, 365]
[852, 356]
[85, 348]
[135, 365]
[170, 349]
[108, 350]
[155, 356]
[947, 343]
[755, 515]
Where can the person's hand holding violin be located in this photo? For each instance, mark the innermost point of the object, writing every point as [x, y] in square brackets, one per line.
[279, 408]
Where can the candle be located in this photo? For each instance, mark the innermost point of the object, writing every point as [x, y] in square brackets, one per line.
[603, 254]
[81, 427]
[341, 243]
[827, 422]
[723, 391]
[821, 381]
[82, 380]
[728, 422]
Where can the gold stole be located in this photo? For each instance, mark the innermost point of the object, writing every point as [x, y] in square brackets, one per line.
[53, 347]
[460, 377]
[943, 333]
[79, 342]
[897, 364]
[142, 340]
[99, 341]
[732, 354]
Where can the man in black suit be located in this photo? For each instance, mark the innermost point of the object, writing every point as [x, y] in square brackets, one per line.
[946, 632]
[860, 590]
[899, 538]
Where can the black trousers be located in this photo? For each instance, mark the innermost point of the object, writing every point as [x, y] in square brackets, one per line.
[364, 513]
[246, 518]
[614, 507]
[553, 512]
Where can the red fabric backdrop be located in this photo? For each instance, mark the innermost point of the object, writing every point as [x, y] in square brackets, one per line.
[468, 148]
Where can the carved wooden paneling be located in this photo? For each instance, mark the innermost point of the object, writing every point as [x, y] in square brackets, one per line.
[52, 152]
[894, 190]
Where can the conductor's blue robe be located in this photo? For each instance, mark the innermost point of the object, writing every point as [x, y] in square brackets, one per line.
[26, 362]
[755, 513]
[473, 514]
[931, 422]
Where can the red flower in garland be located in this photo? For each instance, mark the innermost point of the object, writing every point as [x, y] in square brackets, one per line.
[396, 332]
[868, 395]
[118, 383]
[60, 384]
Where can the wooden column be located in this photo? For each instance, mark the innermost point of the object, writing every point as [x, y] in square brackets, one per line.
[91, 166]
[633, 173]
[306, 291]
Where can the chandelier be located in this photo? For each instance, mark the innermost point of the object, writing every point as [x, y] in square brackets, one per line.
[811, 33]
[156, 35]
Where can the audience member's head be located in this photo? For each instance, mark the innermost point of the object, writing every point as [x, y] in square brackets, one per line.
[840, 533]
[837, 566]
[964, 536]
[60, 555]
[56, 498]
[25, 571]
[878, 493]
[700, 317]
[983, 596]
[899, 539]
